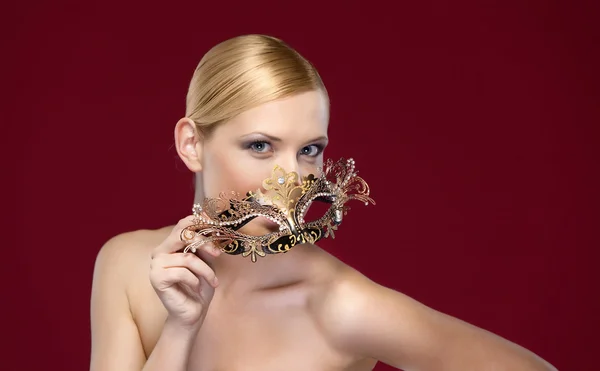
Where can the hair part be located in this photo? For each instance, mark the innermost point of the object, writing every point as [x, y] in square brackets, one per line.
[244, 72]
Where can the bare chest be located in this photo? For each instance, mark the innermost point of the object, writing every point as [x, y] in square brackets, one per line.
[247, 343]
[265, 334]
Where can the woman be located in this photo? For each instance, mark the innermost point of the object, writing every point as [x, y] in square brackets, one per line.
[254, 103]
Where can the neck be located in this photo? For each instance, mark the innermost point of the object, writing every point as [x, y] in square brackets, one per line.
[198, 189]
[269, 272]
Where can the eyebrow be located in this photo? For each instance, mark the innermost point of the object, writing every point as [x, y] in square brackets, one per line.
[276, 139]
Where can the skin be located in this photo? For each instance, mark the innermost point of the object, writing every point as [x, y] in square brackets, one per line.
[154, 308]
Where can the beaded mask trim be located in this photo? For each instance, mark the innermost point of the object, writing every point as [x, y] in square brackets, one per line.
[283, 199]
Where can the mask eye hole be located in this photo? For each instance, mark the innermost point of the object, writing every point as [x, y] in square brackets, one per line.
[317, 209]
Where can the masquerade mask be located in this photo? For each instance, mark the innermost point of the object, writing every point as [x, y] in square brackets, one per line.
[283, 199]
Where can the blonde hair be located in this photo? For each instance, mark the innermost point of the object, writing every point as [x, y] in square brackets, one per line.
[242, 73]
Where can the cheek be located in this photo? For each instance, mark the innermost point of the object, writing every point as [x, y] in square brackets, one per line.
[232, 172]
[312, 168]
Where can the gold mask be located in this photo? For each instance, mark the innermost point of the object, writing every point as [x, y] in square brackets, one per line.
[283, 199]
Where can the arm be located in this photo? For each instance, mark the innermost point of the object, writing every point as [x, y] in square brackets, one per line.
[116, 343]
[371, 321]
[173, 348]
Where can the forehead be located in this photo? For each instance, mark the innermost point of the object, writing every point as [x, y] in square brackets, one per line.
[305, 113]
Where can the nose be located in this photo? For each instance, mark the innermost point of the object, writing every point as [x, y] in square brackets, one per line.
[290, 164]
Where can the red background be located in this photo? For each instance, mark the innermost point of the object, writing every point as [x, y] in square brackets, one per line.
[473, 122]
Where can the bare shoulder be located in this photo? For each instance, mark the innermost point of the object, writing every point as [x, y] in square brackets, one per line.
[367, 320]
[123, 255]
[134, 242]
[348, 297]
[121, 268]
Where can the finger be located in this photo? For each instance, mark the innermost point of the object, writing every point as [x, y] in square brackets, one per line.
[173, 242]
[192, 262]
[200, 244]
[176, 275]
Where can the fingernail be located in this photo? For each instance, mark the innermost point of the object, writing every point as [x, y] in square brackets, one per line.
[215, 282]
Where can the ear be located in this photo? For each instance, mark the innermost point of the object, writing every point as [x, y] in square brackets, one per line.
[188, 143]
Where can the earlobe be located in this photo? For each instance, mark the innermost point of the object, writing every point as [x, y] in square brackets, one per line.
[188, 143]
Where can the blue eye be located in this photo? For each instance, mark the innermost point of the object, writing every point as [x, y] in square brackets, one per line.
[312, 151]
[260, 146]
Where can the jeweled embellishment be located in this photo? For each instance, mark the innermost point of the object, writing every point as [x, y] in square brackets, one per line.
[284, 199]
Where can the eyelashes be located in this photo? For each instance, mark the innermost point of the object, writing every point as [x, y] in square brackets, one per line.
[264, 147]
[312, 150]
[260, 146]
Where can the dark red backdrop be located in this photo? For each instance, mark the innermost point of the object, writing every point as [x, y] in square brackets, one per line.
[472, 121]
